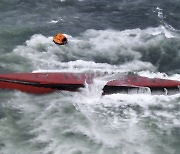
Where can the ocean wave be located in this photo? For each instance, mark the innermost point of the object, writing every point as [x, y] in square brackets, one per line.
[150, 49]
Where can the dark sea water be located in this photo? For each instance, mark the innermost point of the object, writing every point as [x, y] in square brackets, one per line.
[141, 36]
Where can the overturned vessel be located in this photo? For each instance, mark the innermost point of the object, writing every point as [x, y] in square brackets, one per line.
[42, 83]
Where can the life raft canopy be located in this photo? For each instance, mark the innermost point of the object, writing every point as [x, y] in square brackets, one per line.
[60, 39]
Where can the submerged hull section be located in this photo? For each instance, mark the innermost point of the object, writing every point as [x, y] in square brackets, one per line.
[41, 83]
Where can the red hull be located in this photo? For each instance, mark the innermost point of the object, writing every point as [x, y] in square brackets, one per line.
[40, 83]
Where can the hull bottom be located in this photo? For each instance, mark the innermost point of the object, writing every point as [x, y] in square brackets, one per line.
[43, 83]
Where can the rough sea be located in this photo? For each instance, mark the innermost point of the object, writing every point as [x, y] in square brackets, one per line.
[139, 36]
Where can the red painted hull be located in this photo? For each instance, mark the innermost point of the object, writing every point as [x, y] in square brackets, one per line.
[41, 83]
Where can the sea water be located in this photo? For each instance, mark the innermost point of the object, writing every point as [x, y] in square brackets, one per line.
[115, 36]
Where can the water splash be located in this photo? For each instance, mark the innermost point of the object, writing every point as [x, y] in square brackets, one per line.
[129, 50]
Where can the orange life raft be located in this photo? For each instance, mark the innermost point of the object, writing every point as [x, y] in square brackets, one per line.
[60, 39]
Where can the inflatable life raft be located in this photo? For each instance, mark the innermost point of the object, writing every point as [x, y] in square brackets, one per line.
[60, 39]
[41, 83]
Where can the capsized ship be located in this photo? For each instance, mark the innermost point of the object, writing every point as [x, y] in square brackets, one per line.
[43, 83]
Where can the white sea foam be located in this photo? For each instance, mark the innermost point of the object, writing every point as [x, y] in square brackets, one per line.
[78, 122]
[108, 48]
